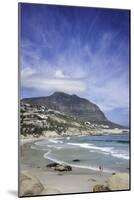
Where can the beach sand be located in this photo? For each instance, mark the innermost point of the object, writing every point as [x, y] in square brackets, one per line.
[76, 181]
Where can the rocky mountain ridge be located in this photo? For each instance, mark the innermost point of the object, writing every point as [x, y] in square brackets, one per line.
[73, 106]
[36, 121]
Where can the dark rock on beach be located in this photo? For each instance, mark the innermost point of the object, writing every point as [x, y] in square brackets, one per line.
[62, 168]
[51, 165]
[59, 167]
[76, 160]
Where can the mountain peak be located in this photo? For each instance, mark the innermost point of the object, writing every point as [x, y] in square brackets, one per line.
[70, 104]
[59, 94]
[73, 106]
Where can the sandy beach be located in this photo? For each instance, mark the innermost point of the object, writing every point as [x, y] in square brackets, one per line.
[76, 181]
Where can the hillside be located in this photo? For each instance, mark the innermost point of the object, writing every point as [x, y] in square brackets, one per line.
[38, 118]
[73, 106]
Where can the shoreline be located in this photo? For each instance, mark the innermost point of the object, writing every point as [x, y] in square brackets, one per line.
[29, 138]
[47, 151]
[76, 181]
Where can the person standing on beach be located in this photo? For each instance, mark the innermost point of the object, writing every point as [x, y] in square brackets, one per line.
[101, 169]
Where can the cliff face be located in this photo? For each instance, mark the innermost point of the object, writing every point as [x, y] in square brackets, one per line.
[71, 105]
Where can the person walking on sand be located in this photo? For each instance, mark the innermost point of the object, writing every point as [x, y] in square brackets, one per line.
[101, 169]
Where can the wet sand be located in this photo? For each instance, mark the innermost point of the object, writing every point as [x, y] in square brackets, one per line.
[76, 181]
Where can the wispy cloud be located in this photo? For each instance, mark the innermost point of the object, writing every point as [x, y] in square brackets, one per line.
[77, 51]
[59, 82]
[59, 74]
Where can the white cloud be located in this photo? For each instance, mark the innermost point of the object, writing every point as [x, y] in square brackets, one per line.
[111, 93]
[27, 72]
[108, 82]
[59, 74]
[99, 77]
[30, 79]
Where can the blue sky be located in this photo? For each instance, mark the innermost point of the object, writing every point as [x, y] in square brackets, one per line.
[83, 51]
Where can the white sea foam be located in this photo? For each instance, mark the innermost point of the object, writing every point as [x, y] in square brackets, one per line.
[58, 147]
[104, 150]
[48, 145]
[55, 141]
[120, 155]
[109, 152]
[37, 148]
[34, 147]
[46, 155]
[91, 146]
[85, 145]
[42, 143]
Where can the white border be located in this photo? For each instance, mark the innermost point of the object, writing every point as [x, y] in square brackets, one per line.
[9, 97]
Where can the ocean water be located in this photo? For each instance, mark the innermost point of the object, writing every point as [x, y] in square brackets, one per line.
[109, 151]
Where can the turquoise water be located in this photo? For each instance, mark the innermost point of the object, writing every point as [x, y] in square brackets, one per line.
[109, 151]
